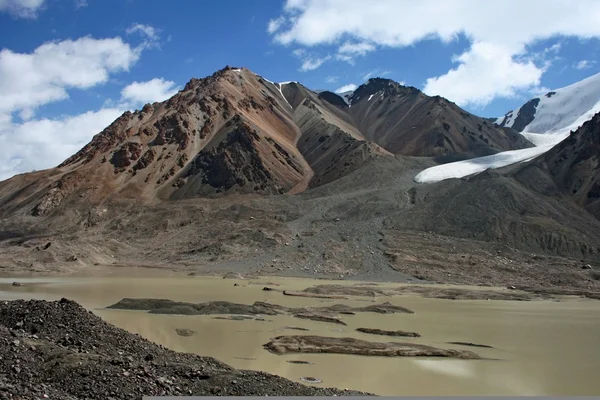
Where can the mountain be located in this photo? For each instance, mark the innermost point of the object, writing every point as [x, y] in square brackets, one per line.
[549, 118]
[236, 172]
[545, 121]
[237, 132]
[575, 165]
[403, 120]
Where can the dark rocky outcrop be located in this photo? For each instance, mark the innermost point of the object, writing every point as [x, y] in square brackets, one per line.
[574, 165]
[163, 306]
[59, 350]
[336, 345]
[469, 344]
[382, 332]
[525, 116]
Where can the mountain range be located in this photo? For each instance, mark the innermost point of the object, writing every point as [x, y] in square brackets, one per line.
[238, 172]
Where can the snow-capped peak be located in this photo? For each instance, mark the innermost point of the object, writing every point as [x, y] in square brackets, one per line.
[545, 121]
[549, 118]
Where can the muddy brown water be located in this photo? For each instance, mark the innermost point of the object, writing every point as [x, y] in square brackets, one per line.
[541, 347]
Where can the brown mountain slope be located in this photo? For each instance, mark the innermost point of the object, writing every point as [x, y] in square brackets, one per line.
[237, 132]
[403, 120]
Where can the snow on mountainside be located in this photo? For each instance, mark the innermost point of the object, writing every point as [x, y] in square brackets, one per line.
[549, 118]
[464, 168]
[347, 96]
[545, 121]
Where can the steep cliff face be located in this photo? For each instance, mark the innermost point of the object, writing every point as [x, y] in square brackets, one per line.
[575, 165]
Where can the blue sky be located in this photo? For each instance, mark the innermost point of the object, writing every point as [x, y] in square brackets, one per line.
[107, 56]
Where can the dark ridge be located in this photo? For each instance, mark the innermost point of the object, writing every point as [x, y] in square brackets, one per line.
[387, 86]
[333, 98]
[525, 116]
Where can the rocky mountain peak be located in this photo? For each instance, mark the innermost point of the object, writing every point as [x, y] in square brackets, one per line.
[382, 86]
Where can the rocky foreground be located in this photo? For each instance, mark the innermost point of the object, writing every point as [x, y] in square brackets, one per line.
[58, 350]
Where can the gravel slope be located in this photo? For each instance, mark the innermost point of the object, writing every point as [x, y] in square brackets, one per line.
[60, 350]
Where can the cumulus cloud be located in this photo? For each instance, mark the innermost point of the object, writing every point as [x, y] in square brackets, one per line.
[29, 80]
[346, 88]
[337, 22]
[45, 143]
[21, 8]
[484, 72]
[331, 79]
[157, 89]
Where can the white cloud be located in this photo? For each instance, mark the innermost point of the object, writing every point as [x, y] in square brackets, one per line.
[275, 24]
[356, 48]
[157, 89]
[346, 88]
[555, 48]
[539, 91]
[144, 30]
[584, 64]
[484, 72]
[376, 73]
[331, 79]
[21, 8]
[346, 58]
[45, 143]
[299, 52]
[331, 22]
[312, 63]
[81, 3]
[149, 33]
[29, 80]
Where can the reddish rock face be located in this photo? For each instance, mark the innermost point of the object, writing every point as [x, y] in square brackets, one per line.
[125, 156]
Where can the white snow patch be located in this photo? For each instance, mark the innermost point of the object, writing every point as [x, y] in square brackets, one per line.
[561, 130]
[278, 86]
[510, 118]
[464, 168]
[370, 97]
[565, 109]
[237, 69]
[556, 116]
